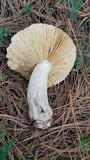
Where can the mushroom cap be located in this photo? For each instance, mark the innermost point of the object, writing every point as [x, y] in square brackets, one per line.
[40, 42]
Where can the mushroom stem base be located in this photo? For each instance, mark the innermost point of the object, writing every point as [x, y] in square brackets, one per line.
[39, 109]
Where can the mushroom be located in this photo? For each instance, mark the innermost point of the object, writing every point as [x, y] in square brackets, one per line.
[44, 54]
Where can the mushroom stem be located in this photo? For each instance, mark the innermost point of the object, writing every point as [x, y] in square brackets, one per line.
[39, 109]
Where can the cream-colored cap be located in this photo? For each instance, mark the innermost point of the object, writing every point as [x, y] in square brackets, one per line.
[40, 42]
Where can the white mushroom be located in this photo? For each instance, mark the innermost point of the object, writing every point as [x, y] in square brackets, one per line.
[46, 55]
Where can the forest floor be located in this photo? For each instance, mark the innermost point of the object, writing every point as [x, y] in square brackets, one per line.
[69, 136]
